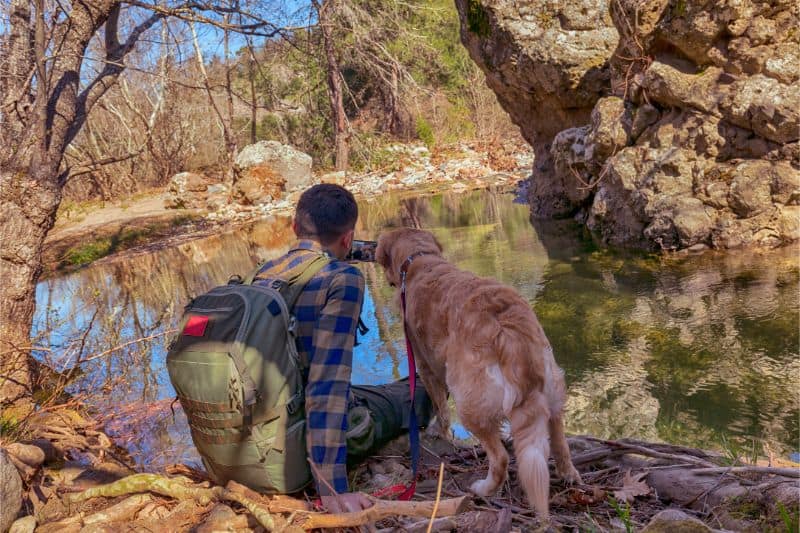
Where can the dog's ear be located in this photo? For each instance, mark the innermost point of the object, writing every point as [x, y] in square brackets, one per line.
[383, 251]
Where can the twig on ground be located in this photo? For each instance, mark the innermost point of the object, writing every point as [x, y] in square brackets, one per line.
[438, 497]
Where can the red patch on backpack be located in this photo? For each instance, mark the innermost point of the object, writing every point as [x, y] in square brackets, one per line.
[196, 326]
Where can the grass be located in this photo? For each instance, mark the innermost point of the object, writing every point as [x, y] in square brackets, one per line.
[83, 254]
[623, 513]
[791, 522]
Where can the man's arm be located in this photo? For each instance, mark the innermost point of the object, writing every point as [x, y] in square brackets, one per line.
[330, 367]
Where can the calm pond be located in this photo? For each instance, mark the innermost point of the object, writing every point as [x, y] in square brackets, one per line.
[698, 350]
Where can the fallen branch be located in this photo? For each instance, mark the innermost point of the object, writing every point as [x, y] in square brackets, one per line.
[786, 472]
[641, 450]
[384, 509]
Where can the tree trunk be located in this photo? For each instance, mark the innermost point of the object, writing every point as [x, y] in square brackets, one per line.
[341, 136]
[28, 206]
[33, 140]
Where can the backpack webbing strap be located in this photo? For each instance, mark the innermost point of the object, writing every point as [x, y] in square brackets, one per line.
[199, 424]
[297, 280]
[292, 284]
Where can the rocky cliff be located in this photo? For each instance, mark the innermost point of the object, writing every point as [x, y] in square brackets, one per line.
[662, 124]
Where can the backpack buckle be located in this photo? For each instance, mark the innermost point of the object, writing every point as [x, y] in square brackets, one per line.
[294, 404]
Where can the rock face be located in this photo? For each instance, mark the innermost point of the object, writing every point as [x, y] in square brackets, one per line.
[268, 168]
[10, 491]
[692, 136]
[548, 64]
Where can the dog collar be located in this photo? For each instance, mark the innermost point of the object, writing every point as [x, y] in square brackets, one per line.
[407, 264]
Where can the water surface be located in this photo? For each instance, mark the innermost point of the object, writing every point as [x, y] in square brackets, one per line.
[698, 350]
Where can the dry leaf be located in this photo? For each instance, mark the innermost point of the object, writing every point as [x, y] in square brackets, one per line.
[585, 497]
[632, 486]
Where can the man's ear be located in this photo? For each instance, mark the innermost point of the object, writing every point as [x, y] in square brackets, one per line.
[346, 240]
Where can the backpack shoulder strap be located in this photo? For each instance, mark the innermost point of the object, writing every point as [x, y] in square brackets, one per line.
[297, 281]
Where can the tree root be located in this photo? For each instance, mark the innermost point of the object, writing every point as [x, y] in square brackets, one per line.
[118, 512]
[179, 488]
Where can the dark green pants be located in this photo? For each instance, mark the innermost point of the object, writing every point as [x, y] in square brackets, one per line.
[380, 413]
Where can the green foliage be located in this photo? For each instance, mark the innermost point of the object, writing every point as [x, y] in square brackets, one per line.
[679, 9]
[436, 80]
[477, 19]
[425, 132]
[86, 253]
[9, 426]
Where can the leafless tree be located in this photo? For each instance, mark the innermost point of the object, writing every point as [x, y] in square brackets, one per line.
[326, 13]
[50, 81]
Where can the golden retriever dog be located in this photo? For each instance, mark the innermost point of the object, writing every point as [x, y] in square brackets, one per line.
[481, 341]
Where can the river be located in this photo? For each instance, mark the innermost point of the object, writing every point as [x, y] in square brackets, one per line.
[698, 350]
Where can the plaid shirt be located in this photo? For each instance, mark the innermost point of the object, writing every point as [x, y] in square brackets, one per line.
[327, 312]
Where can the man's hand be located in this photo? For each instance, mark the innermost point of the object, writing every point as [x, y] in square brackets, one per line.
[348, 502]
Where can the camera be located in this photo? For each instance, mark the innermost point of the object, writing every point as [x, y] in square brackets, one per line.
[362, 251]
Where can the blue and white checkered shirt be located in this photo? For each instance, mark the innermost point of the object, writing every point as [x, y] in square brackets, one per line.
[327, 312]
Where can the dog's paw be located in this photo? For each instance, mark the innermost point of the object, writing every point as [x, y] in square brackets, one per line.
[482, 487]
[569, 474]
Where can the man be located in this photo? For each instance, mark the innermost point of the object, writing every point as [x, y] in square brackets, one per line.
[327, 313]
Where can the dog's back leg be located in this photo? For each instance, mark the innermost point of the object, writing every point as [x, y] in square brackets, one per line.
[529, 428]
[558, 441]
[487, 431]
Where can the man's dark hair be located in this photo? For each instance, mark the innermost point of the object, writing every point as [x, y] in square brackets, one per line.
[325, 212]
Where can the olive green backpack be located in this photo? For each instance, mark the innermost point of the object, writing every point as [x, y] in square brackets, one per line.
[239, 378]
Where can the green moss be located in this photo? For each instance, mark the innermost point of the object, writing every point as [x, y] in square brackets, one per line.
[478, 19]
[679, 9]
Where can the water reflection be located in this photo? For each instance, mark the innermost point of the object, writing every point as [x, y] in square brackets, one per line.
[696, 350]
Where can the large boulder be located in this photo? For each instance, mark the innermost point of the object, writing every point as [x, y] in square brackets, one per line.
[10, 491]
[690, 137]
[266, 170]
[186, 190]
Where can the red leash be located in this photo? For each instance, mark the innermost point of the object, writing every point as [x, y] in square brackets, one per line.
[413, 427]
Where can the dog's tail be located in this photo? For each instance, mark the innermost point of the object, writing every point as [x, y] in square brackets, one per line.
[529, 428]
[521, 358]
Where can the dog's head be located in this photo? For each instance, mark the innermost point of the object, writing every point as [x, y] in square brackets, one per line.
[394, 247]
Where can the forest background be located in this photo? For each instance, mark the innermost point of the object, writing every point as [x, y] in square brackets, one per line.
[340, 81]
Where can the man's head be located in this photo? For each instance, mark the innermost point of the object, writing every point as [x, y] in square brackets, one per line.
[327, 213]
